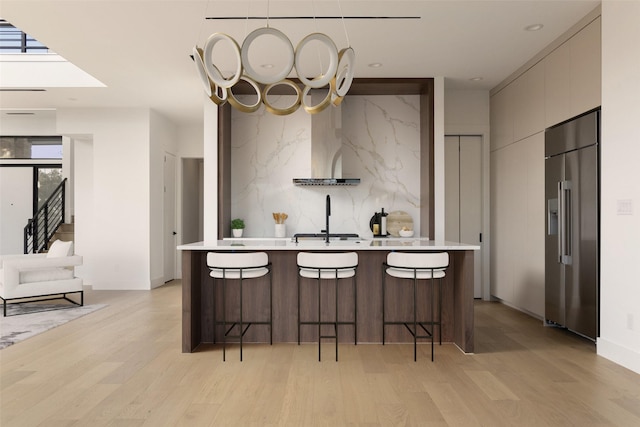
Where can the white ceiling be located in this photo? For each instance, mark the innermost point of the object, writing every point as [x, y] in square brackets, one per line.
[140, 49]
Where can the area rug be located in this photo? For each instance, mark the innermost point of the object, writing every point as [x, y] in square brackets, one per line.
[28, 319]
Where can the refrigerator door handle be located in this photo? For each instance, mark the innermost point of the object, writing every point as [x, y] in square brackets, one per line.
[560, 223]
[565, 222]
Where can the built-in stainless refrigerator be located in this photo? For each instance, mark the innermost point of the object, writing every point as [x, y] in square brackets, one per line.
[572, 285]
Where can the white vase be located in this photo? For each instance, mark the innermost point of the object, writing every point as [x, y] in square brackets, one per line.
[237, 232]
[281, 230]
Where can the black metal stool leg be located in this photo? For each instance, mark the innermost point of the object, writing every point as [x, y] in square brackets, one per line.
[433, 329]
[241, 326]
[270, 308]
[224, 320]
[355, 311]
[299, 320]
[336, 324]
[383, 319]
[319, 321]
[415, 322]
[440, 310]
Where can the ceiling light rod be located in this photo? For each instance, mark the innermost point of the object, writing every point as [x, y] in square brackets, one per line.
[231, 18]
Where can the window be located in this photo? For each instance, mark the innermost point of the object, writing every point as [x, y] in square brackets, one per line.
[48, 179]
[12, 40]
[31, 147]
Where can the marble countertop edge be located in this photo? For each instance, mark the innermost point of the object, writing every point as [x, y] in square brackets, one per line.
[270, 244]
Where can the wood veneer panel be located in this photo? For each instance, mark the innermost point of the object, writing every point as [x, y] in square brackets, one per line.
[464, 313]
[191, 287]
[201, 304]
[224, 171]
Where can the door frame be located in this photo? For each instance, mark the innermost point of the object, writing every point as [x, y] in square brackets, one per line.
[170, 252]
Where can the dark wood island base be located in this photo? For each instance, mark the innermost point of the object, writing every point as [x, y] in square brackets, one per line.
[199, 304]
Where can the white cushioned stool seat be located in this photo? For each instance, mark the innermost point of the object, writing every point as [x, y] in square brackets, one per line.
[421, 265]
[327, 265]
[229, 265]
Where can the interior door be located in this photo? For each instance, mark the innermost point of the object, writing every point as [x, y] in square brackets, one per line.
[463, 196]
[16, 207]
[170, 251]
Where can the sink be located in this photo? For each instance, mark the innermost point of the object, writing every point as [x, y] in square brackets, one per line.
[318, 236]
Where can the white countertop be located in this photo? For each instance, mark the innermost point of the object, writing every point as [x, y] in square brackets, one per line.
[388, 244]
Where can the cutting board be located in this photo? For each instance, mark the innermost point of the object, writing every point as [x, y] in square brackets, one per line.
[396, 220]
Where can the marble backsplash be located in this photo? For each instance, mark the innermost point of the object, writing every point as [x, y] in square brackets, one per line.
[381, 146]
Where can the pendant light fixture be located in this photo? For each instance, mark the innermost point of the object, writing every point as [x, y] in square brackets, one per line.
[336, 77]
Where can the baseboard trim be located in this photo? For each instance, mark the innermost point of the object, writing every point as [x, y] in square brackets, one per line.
[619, 354]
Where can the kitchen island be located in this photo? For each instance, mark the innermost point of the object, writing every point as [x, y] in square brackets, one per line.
[199, 302]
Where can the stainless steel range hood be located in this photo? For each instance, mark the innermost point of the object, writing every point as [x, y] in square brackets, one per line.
[326, 147]
[326, 181]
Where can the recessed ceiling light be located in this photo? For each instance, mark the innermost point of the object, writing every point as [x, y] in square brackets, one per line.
[475, 79]
[375, 65]
[533, 27]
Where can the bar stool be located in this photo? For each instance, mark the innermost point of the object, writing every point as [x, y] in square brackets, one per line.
[239, 266]
[416, 266]
[334, 266]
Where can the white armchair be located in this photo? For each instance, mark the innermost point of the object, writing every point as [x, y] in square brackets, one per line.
[41, 276]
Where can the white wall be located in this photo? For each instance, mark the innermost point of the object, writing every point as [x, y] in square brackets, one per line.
[210, 152]
[83, 210]
[620, 283]
[42, 123]
[438, 157]
[68, 173]
[163, 139]
[117, 237]
[190, 143]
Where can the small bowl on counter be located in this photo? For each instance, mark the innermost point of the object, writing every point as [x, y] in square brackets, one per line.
[405, 233]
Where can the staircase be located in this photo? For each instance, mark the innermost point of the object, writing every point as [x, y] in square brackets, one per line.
[65, 232]
[41, 228]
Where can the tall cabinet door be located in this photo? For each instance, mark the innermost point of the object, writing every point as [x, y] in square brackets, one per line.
[463, 196]
[581, 281]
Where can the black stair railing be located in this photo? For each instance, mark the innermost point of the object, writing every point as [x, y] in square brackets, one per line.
[45, 222]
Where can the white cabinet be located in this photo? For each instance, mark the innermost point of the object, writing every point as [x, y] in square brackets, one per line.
[562, 85]
[517, 111]
[572, 76]
[501, 112]
[586, 69]
[528, 103]
[517, 215]
[557, 93]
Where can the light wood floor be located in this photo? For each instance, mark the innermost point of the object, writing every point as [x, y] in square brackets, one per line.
[122, 366]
